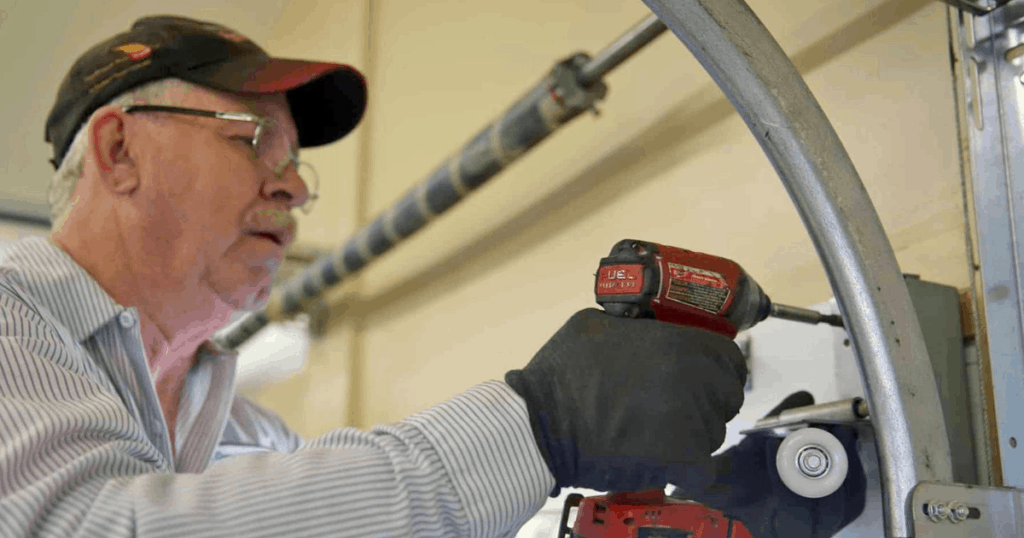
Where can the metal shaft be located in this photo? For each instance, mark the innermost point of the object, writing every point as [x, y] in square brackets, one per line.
[553, 102]
[572, 87]
[804, 315]
[772, 98]
[621, 49]
[848, 411]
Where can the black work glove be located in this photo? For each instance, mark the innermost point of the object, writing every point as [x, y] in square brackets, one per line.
[747, 486]
[620, 404]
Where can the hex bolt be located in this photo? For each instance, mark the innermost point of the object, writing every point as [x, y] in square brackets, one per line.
[936, 511]
[958, 512]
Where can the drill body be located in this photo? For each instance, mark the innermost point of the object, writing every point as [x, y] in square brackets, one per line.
[640, 279]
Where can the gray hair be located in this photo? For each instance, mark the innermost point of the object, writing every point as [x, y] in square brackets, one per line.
[65, 179]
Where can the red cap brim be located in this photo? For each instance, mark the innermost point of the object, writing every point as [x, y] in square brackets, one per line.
[280, 75]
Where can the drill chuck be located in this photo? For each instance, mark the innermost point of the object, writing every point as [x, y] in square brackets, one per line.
[804, 315]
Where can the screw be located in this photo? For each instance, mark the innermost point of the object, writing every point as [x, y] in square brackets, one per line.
[1013, 442]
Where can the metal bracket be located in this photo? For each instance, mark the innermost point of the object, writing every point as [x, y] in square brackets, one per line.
[958, 510]
[988, 63]
[982, 7]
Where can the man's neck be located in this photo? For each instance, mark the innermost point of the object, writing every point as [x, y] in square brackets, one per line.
[175, 318]
[170, 354]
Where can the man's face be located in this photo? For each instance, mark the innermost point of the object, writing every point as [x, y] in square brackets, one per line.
[213, 213]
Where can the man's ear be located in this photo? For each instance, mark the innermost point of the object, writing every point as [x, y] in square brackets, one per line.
[109, 149]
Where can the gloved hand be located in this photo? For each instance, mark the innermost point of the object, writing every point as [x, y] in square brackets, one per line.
[747, 486]
[629, 404]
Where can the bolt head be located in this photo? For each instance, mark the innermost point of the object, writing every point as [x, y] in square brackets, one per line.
[812, 461]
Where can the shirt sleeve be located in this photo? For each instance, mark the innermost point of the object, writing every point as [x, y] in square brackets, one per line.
[253, 428]
[73, 462]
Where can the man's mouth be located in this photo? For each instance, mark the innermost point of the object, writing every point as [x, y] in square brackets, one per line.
[278, 237]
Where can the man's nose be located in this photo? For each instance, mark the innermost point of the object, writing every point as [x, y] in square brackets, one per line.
[287, 187]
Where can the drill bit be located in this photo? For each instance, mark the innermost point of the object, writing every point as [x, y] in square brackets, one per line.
[804, 315]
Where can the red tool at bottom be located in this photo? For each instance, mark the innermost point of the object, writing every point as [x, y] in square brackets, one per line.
[646, 514]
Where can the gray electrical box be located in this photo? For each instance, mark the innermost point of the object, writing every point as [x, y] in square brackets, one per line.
[938, 309]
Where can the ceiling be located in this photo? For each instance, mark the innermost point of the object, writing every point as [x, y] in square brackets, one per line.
[48, 35]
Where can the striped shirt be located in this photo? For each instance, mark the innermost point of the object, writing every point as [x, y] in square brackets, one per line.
[85, 451]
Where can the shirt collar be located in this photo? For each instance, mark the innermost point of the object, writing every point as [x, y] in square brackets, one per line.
[57, 282]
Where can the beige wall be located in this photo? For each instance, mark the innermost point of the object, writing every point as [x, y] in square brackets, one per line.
[479, 292]
[41, 39]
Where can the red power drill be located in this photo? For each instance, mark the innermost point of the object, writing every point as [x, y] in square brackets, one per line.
[640, 279]
[646, 514]
[647, 280]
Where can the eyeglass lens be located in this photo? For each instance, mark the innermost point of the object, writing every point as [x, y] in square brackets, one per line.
[282, 161]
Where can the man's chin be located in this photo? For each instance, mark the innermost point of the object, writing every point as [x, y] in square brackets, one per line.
[248, 298]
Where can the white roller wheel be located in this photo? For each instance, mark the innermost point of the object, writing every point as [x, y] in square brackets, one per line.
[812, 463]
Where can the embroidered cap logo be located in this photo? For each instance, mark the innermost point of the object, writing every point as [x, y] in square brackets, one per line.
[136, 51]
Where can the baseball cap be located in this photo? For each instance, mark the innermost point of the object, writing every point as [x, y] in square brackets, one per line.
[327, 100]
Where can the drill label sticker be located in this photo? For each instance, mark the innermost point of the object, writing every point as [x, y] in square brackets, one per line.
[699, 288]
[620, 279]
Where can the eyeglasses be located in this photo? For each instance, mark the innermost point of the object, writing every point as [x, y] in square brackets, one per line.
[260, 147]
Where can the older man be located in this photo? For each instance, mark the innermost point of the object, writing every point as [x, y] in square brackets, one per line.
[176, 149]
